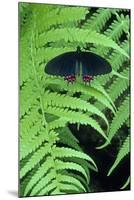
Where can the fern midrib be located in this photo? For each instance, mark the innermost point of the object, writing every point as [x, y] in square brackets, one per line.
[41, 103]
[37, 82]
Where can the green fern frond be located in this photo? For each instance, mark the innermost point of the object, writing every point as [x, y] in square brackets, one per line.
[48, 188]
[30, 133]
[112, 33]
[28, 98]
[60, 186]
[64, 101]
[80, 178]
[84, 163]
[60, 165]
[25, 60]
[22, 7]
[63, 179]
[98, 20]
[67, 152]
[25, 182]
[124, 150]
[98, 87]
[122, 84]
[81, 35]
[114, 91]
[76, 117]
[126, 183]
[60, 16]
[65, 187]
[44, 181]
[24, 18]
[120, 25]
[40, 172]
[116, 60]
[46, 54]
[28, 121]
[29, 145]
[121, 116]
[66, 137]
[58, 123]
[64, 152]
[70, 180]
[78, 87]
[35, 159]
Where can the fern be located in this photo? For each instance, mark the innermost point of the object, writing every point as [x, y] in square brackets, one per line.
[98, 20]
[59, 165]
[126, 183]
[87, 90]
[123, 84]
[52, 18]
[76, 117]
[120, 118]
[52, 160]
[82, 36]
[120, 25]
[64, 101]
[124, 150]
[66, 137]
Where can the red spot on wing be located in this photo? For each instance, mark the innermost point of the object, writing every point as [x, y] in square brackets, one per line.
[70, 78]
[87, 78]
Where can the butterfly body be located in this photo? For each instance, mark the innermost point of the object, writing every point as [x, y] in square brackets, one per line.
[78, 63]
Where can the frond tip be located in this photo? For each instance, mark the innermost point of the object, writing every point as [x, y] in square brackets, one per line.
[126, 183]
[120, 118]
[125, 149]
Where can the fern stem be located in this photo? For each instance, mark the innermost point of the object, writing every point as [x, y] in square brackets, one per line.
[41, 103]
[37, 81]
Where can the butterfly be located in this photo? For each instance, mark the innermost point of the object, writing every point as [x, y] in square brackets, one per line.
[78, 63]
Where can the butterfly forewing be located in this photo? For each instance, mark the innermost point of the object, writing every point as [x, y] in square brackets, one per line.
[62, 65]
[93, 64]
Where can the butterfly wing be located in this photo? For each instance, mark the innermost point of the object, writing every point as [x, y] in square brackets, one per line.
[93, 64]
[62, 65]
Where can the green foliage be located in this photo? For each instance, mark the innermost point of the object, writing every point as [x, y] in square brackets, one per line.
[120, 118]
[98, 19]
[124, 150]
[52, 160]
[126, 183]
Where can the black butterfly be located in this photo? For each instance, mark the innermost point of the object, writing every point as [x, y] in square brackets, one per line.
[78, 63]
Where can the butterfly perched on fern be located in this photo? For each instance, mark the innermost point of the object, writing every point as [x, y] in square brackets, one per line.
[78, 63]
[53, 160]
